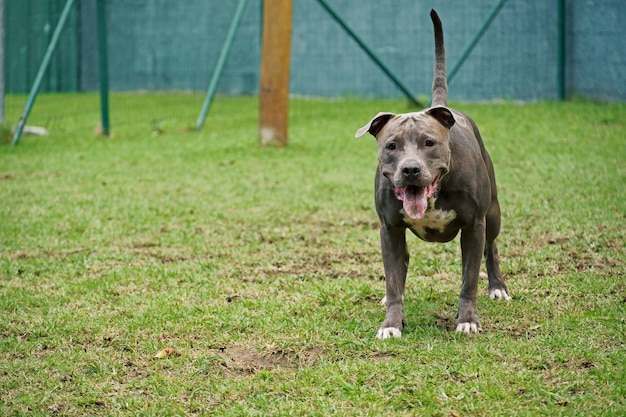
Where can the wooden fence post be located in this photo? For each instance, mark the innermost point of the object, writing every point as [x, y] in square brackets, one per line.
[275, 64]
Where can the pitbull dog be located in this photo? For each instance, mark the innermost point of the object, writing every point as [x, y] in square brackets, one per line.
[435, 177]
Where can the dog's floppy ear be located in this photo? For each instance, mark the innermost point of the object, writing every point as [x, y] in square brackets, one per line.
[443, 116]
[375, 125]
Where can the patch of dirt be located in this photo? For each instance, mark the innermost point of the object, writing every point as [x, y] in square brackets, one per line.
[309, 357]
[445, 321]
[381, 357]
[248, 361]
[587, 262]
[518, 332]
[336, 264]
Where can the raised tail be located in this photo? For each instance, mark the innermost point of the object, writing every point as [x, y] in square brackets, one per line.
[440, 85]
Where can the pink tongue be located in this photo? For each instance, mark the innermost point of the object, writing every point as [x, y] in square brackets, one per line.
[415, 202]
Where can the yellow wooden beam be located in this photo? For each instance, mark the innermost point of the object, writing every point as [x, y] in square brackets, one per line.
[275, 64]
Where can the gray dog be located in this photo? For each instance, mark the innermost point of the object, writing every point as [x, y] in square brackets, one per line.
[435, 177]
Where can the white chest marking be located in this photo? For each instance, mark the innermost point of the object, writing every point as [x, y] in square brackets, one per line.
[433, 219]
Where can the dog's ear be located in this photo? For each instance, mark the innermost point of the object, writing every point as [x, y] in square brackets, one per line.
[443, 116]
[375, 125]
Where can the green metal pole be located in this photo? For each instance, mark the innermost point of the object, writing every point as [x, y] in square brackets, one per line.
[103, 54]
[369, 52]
[42, 70]
[2, 61]
[219, 67]
[475, 39]
[561, 51]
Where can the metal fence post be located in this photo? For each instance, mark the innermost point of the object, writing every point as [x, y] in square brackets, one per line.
[42, 70]
[103, 57]
[369, 52]
[217, 72]
[475, 39]
[1, 61]
[561, 54]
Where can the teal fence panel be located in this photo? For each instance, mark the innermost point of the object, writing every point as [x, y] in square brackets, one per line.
[596, 49]
[174, 45]
[28, 31]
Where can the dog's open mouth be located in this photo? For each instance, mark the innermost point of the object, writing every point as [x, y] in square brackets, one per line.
[415, 199]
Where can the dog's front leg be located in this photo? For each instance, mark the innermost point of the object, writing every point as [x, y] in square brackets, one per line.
[472, 248]
[395, 262]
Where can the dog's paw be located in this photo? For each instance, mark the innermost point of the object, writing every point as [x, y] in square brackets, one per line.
[388, 333]
[499, 294]
[468, 328]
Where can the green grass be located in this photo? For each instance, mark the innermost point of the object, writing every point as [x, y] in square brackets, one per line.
[261, 267]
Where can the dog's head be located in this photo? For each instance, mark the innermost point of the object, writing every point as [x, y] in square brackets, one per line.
[413, 153]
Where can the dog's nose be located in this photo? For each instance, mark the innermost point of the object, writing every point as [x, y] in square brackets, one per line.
[411, 171]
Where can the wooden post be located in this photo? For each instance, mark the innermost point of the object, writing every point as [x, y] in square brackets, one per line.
[275, 62]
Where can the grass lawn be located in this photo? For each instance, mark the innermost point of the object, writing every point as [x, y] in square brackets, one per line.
[260, 268]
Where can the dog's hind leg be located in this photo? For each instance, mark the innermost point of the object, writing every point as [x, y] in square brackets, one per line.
[497, 287]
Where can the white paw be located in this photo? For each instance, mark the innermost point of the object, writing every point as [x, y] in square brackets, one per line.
[499, 295]
[388, 332]
[467, 328]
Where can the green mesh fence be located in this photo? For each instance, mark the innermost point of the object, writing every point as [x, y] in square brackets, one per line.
[170, 48]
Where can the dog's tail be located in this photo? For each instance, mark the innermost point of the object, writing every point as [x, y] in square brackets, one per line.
[440, 85]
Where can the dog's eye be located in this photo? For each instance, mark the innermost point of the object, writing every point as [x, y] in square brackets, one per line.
[430, 142]
[391, 146]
